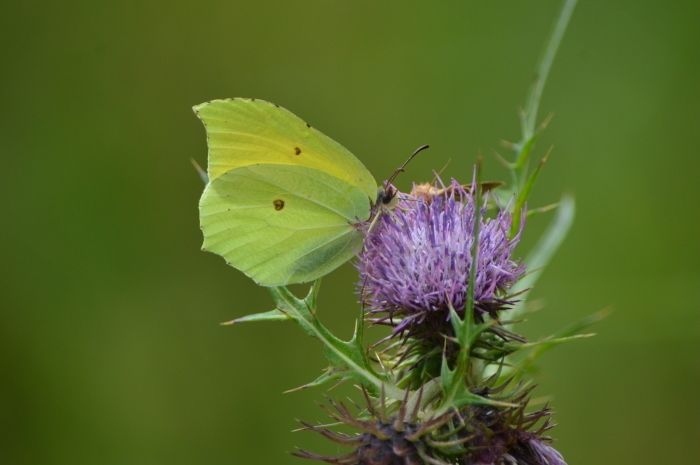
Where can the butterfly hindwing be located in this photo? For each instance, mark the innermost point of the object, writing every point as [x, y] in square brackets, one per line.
[282, 224]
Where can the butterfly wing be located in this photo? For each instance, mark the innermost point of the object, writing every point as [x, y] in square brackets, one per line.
[282, 224]
[243, 132]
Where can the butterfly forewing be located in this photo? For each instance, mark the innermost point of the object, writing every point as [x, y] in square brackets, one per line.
[243, 132]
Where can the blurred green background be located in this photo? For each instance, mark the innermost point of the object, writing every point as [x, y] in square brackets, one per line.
[110, 346]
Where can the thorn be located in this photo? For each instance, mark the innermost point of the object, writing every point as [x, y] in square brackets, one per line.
[297, 389]
[546, 156]
[546, 121]
[509, 145]
[336, 384]
[502, 160]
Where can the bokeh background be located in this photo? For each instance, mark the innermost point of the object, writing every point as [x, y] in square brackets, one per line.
[111, 350]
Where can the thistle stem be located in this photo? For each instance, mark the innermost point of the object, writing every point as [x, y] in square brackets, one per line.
[534, 96]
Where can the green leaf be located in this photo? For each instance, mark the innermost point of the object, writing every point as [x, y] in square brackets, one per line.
[347, 359]
[513, 348]
[545, 64]
[567, 333]
[536, 211]
[543, 251]
[523, 196]
[527, 145]
[272, 315]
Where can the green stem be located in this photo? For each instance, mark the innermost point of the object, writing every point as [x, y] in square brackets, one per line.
[534, 96]
[550, 51]
[468, 328]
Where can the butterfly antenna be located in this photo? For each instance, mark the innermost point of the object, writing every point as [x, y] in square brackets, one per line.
[396, 173]
[441, 170]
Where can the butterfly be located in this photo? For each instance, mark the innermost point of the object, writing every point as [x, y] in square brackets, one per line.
[283, 200]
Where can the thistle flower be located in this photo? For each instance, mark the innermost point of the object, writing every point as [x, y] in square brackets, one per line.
[381, 440]
[473, 435]
[417, 259]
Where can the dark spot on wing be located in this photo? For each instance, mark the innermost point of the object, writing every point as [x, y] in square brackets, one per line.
[297, 150]
[279, 204]
[308, 125]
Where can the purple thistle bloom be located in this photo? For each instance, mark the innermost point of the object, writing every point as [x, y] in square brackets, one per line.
[417, 259]
[543, 453]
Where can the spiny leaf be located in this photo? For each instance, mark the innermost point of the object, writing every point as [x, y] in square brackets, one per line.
[543, 251]
[527, 145]
[272, 315]
[562, 335]
[347, 359]
[524, 194]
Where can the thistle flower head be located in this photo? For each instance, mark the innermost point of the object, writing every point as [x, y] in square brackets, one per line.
[416, 261]
[472, 435]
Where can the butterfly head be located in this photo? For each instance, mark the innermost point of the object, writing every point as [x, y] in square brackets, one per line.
[386, 196]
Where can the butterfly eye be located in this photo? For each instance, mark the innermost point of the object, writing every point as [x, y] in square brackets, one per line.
[388, 195]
